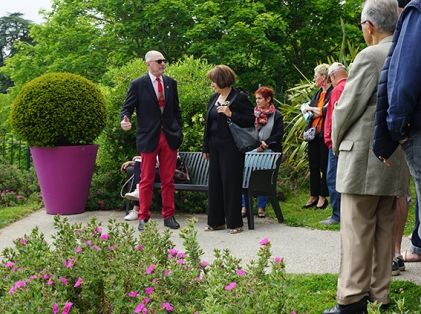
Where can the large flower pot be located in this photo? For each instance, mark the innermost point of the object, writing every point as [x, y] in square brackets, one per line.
[64, 175]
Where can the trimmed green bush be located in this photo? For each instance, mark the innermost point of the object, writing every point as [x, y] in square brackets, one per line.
[58, 109]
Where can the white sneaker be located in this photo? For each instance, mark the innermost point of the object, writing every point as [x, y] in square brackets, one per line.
[133, 196]
[132, 215]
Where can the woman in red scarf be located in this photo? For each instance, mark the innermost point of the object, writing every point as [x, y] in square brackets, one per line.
[270, 126]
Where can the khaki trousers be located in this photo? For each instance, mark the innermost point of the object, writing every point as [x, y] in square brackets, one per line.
[366, 248]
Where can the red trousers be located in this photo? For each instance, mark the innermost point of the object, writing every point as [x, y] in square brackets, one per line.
[167, 162]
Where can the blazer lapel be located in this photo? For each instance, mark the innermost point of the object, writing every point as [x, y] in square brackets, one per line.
[150, 89]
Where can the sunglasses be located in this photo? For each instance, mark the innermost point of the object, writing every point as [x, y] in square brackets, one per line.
[160, 61]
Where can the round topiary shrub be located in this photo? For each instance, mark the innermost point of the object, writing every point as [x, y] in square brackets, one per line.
[58, 109]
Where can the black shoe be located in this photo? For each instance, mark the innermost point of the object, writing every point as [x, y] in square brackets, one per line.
[141, 225]
[395, 267]
[401, 263]
[312, 204]
[359, 307]
[171, 223]
[326, 202]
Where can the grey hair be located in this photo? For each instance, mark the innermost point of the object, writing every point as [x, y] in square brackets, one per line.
[383, 14]
[322, 69]
[151, 54]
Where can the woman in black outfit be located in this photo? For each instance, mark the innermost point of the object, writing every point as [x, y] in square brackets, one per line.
[226, 162]
[317, 150]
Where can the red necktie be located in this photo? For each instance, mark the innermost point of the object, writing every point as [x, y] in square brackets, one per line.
[161, 98]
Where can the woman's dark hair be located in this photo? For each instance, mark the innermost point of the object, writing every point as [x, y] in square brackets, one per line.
[222, 75]
[266, 92]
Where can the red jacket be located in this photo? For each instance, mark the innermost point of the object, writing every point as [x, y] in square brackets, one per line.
[334, 97]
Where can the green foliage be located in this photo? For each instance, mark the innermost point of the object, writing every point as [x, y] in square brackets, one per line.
[58, 109]
[93, 270]
[16, 186]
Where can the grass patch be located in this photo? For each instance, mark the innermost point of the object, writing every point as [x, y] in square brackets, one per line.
[295, 216]
[11, 214]
[315, 293]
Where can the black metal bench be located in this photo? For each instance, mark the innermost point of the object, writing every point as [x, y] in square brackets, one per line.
[260, 174]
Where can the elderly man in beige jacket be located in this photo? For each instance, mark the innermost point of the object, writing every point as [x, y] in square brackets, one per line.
[368, 188]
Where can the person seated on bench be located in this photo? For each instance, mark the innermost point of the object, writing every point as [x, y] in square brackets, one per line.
[270, 126]
[133, 167]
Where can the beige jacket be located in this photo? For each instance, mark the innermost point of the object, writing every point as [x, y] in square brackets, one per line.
[359, 171]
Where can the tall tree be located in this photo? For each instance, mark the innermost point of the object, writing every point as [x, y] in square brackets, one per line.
[13, 28]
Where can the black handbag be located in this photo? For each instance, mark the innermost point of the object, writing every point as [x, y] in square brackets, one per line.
[246, 139]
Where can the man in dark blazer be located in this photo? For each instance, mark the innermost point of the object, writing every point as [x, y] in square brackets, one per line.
[158, 134]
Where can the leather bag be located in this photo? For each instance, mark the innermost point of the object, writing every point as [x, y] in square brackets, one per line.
[246, 139]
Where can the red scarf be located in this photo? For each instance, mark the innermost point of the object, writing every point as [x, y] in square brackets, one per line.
[262, 115]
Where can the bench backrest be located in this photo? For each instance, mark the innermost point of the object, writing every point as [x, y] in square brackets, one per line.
[257, 161]
[199, 168]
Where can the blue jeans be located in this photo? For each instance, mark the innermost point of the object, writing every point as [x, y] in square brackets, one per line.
[261, 201]
[415, 238]
[335, 197]
[412, 149]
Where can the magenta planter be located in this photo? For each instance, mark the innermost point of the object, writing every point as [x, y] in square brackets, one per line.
[64, 175]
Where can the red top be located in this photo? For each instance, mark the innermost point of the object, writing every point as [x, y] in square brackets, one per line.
[334, 97]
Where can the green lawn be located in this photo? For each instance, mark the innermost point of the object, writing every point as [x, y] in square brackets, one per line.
[311, 294]
[11, 214]
[295, 216]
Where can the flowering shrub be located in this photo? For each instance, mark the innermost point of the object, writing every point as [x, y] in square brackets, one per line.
[91, 269]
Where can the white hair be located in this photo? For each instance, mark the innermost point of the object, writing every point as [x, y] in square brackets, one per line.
[153, 54]
[335, 66]
[383, 14]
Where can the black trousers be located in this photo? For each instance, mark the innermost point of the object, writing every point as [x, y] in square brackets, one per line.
[317, 159]
[226, 165]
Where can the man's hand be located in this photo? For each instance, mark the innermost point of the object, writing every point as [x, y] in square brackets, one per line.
[125, 124]
[205, 156]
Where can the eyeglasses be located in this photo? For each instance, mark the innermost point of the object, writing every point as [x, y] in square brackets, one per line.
[160, 61]
[364, 22]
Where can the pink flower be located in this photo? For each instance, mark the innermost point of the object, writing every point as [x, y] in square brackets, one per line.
[167, 306]
[139, 247]
[278, 259]
[68, 263]
[180, 255]
[111, 248]
[20, 284]
[166, 272]
[89, 242]
[181, 261]
[46, 276]
[12, 290]
[204, 264]
[133, 294]
[64, 280]
[104, 236]
[264, 241]
[139, 308]
[172, 252]
[78, 249]
[33, 277]
[241, 272]
[146, 300]
[98, 229]
[150, 269]
[78, 282]
[149, 290]
[96, 248]
[230, 286]
[23, 241]
[9, 264]
[50, 282]
[67, 308]
[55, 308]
